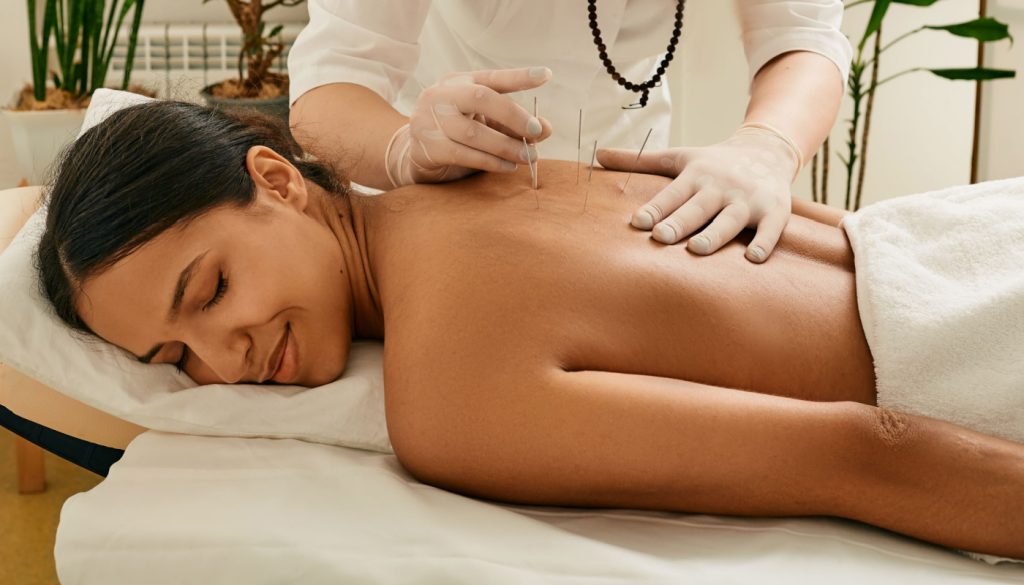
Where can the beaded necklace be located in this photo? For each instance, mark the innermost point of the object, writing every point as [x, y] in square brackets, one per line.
[644, 88]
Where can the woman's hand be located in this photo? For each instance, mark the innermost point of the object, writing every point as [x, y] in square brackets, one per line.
[463, 123]
[741, 182]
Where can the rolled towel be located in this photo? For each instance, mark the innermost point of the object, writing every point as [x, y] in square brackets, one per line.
[940, 290]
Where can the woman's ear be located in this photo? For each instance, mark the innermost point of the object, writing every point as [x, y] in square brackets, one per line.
[276, 178]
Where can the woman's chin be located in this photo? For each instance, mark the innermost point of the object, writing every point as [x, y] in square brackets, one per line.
[326, 373]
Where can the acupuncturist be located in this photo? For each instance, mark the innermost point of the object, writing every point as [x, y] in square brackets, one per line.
[403, 91]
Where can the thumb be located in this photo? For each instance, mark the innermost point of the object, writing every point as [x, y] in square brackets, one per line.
[668, 162]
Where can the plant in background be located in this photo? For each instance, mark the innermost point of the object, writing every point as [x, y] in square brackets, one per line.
[258, 52]
[85, 32]
[862, 92]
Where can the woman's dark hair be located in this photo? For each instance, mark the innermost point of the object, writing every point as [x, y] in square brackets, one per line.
[143, 170]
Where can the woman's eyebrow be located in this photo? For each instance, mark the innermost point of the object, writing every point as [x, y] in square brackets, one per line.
[179, 293]
[183, 279]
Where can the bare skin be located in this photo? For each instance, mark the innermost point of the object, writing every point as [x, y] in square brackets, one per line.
[559, 356]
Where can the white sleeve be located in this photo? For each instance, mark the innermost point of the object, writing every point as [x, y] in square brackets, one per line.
[773, 27]
[374, 43]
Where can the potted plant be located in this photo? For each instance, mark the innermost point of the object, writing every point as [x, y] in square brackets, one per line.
[256, 87]
[48, 113]
[862, 90]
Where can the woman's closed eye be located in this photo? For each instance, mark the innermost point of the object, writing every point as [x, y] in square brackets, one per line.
[222, 288]
[218, 294]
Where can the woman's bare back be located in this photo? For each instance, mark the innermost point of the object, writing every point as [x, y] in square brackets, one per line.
[487, 275]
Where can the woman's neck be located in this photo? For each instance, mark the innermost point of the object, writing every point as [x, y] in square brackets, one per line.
[348, 220]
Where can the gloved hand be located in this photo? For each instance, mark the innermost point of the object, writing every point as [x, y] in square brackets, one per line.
[463, 123]
[743, 181]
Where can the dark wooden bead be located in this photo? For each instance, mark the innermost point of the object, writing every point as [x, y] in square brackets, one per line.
[655, 80]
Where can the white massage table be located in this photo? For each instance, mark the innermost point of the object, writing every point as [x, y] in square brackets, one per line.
[188, 509]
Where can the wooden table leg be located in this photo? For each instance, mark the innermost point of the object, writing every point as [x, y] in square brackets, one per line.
[31, 473]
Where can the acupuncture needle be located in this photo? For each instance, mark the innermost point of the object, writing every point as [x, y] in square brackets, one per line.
[533, 173]
[590, 173]
[536, 167]
[579, 145]
[637, 161]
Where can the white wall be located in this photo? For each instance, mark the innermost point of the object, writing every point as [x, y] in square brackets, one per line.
[15, 71]
[922, 125]
[1001, 153]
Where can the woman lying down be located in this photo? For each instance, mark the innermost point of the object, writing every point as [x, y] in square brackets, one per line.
[537, 349]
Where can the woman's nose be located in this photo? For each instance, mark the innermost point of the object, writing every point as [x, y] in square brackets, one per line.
[224, 357]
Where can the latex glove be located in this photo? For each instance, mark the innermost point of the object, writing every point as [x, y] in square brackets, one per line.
[741, 182]
[463, 124]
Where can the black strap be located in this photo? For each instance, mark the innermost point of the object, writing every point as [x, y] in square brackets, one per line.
[95, 458]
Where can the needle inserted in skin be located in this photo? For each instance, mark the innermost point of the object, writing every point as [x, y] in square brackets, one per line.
[536, 166]
[533, 173]
[590, 173]
[579, 146]
[641, 151]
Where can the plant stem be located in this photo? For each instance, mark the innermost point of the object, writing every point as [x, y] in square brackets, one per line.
[891, 77]
[814, 178]
[893, 42]
[824, 170]
[857, 70]
[867, 119]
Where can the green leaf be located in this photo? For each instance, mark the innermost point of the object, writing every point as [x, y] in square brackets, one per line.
[277, 30]
[983, 29]
[875, 22]
[974, 74]
[916, 2]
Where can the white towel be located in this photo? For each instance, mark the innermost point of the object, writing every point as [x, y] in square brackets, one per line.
[940, 289]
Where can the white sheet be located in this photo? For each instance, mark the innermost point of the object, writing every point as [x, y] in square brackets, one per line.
[187, 509]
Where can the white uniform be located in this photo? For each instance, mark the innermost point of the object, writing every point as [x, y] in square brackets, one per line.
[398, 47]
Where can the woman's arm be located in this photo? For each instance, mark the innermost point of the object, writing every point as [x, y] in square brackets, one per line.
[618, 440]
[819, 212]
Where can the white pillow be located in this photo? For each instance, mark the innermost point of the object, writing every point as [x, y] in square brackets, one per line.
[348, 411]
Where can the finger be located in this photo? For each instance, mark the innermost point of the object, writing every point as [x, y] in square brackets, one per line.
[769, 230]
[726, 226]
[501, 80]
[433, 149]
[684, 221]
[664, 202]
[474, 100]
[471, 133]
[660, 162]
[511, 133]
[668, 162]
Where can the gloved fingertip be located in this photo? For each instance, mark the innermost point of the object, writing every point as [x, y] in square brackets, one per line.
[540, 73]
[534, 127]
[664, 233]
[756, 254]
[643, 219]
[699, 244]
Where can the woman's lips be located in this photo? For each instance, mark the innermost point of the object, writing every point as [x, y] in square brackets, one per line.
[289, 365]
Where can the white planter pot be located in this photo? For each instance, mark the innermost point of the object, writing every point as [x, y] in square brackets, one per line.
[39, 137]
